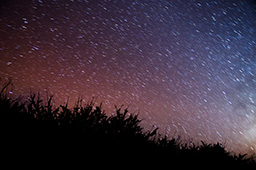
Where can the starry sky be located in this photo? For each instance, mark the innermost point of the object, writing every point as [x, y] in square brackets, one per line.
[186, 66]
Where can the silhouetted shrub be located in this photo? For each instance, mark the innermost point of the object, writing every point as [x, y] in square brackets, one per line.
[64, 134]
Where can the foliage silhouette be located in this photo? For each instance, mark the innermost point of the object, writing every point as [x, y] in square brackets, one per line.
[87, 133]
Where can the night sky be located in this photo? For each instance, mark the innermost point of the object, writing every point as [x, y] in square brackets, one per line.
[186, 66]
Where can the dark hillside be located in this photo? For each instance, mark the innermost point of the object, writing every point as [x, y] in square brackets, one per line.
[35, 132]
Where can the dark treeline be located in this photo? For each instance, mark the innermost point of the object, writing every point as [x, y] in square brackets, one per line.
[36, 132]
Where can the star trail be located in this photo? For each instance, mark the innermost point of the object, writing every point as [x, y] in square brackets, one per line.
[187, 66]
